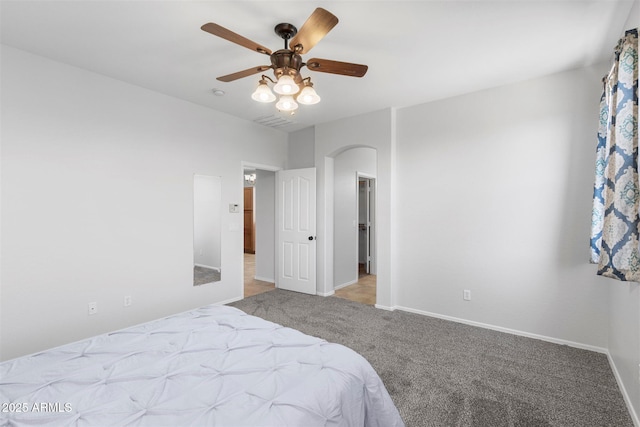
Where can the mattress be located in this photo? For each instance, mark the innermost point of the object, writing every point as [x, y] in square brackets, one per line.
[212, 366]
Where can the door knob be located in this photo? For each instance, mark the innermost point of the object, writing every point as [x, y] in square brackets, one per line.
[311, 237]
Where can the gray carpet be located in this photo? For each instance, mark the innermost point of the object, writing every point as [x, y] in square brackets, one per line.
[202, 275]
[442, 373]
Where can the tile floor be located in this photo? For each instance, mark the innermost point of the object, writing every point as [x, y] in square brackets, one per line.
[363, 291]
[251, 285]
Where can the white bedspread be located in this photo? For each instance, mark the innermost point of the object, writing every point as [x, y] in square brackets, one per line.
[213, 366]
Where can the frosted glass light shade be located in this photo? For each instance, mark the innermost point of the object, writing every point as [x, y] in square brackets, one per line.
[308, 96]
[286, 103]
[263, 94]
[286, 85]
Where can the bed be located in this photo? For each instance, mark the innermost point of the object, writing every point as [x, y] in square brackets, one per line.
[212, 366]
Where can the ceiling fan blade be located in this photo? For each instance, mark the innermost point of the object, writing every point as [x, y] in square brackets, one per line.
[337, 67]
[244, 73]
[313, 30]
[222, 32]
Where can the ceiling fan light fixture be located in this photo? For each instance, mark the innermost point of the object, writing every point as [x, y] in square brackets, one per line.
[263, 93]
[286, 103]
[286, 63]
[286, 85]
[308, 96]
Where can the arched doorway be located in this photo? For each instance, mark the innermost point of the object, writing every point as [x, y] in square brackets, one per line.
[354, 172]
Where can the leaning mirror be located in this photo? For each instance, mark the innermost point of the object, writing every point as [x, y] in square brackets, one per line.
[206, 229]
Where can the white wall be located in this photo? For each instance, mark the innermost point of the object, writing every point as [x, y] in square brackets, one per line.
[265, 213]
[624, 311]
[97, 187]
[207, 209]
[345, 191]
[301, 149]
[375, 130]
[624, 336]
[504, 207]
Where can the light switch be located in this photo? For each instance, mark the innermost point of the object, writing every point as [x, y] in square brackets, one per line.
[234, 208]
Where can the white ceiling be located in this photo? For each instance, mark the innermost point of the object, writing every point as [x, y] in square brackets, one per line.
[417, 51]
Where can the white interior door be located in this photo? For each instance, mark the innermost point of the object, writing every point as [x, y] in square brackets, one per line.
[296, 230]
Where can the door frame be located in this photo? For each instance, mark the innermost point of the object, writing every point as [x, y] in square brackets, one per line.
[371, 207]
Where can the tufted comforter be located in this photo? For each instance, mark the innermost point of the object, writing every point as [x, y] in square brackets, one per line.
[213, 366]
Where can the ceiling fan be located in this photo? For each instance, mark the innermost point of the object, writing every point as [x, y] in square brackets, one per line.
[286, 63]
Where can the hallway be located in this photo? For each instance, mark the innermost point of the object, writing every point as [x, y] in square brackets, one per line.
[251, 285]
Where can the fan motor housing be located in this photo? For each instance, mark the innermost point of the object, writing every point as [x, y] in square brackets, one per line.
[285, 60]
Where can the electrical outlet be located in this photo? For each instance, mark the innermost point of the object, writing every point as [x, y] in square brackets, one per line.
[127, 300]
[466, 295]
[93, 308]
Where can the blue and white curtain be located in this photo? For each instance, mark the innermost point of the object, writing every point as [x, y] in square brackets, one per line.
[615, 222]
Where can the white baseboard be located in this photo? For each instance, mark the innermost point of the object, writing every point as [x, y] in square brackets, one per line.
[623, 390]
[507, 330]
[265, 279]
[325, 294]
[384, 307]
[209, 267]
[344, 285]
[229, 301]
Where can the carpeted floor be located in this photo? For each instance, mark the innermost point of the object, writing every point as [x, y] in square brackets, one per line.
[202, 275]
[442, 373]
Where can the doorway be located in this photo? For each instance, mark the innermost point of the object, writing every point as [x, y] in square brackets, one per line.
[354, 232]
[364, 289]
[366, 229]
[259, 230]
[249, 218]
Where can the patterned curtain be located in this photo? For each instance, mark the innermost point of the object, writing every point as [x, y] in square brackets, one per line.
[616, 195]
